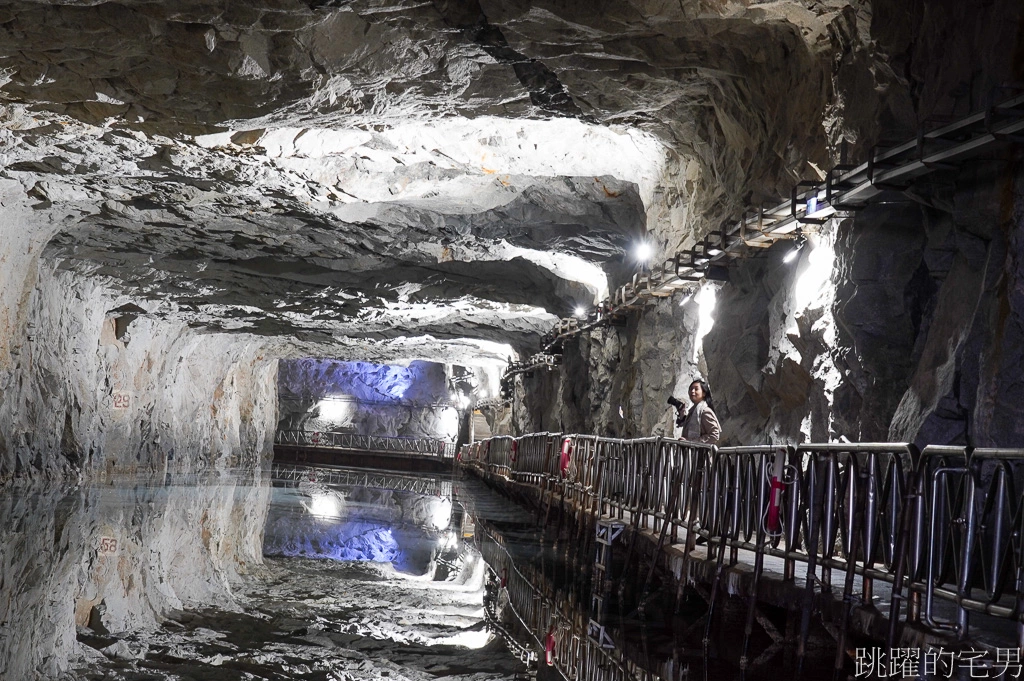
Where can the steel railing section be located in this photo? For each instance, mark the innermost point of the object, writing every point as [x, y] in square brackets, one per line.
[369, 443]
[341, 477]
[969, 528]
[534, 460]
[941, 523]
[541, 360]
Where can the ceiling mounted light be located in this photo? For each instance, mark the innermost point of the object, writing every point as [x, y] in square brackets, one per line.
[798, 244]
[643, 251]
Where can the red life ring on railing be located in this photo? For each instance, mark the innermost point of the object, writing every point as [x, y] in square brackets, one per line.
[775, 496]
[504, 577]
[566, 457]
[549, 647]
[315, 439]
[515, 448]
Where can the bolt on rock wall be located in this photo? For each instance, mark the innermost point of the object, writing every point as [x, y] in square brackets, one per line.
[141, 415]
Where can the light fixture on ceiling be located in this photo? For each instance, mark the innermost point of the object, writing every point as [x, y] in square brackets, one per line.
[798, 244]
[643, 251]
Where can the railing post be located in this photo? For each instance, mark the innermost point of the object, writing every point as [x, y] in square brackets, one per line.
[814, 494]
[792, 527]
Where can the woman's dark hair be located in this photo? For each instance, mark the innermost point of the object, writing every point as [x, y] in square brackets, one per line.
[707, 393]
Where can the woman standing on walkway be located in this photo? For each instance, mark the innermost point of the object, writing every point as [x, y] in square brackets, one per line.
[700, 424]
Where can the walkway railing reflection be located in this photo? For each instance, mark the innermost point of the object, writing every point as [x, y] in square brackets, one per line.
[942, 524]
[557, 625]
[295, 474]
[366, 443]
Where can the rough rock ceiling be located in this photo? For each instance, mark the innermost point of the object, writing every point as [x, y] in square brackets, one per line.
[336, 171]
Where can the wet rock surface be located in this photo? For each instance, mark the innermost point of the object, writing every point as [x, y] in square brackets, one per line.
[316, 619]
[116, 557]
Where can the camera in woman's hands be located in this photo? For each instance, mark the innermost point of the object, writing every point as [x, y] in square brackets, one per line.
[680, 409]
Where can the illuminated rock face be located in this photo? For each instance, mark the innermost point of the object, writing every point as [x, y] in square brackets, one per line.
[441, 182]
[421, 400]
[903, 325]
[376, 185]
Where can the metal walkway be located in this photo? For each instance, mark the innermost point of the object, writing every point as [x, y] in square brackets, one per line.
[923, 546]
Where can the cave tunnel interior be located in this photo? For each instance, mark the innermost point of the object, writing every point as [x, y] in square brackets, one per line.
[293, 294]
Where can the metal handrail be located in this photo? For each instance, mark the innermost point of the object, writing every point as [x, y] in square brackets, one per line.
[443, 449]
[349, 477]
[943, 523]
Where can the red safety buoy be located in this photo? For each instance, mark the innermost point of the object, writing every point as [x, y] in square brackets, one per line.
[775, 495]
[316, 438]
[504, 577]
[515, 449]
[549, 647]
[566, 456]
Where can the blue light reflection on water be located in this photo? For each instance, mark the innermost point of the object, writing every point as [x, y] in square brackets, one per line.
[337, 541]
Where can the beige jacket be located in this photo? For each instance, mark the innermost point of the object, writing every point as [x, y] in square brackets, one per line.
[701, 425]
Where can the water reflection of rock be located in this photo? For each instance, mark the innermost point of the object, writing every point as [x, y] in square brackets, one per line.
[312, 520]
[116, 558]
[324, 619]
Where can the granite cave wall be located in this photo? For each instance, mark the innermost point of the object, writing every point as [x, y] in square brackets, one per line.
[908, 328]
[135, 464]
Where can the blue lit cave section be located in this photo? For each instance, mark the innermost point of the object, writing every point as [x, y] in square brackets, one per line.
[312, 520]
[420, 400]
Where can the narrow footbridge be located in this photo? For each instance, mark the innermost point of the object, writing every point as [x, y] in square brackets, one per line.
[363, 451]
[906, 547]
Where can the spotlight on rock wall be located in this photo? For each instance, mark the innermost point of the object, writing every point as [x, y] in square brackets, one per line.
[324, 506]
[334, 410]
[580, 312]
[798, 244]
[441, 513]
[643, 251]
